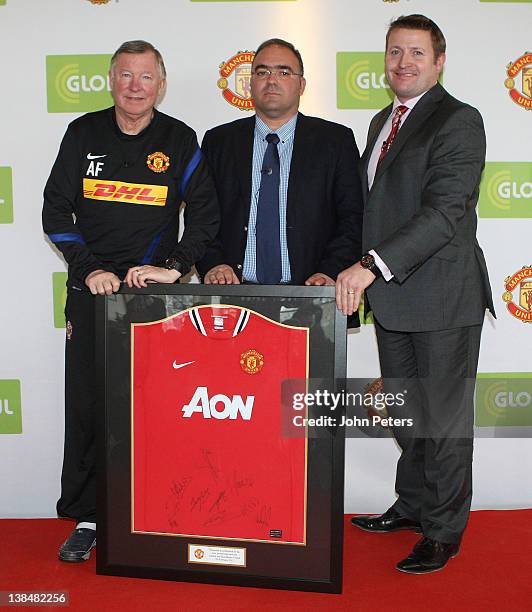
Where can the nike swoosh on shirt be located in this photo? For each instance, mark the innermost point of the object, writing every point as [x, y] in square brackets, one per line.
[176, 366]
[91, 156]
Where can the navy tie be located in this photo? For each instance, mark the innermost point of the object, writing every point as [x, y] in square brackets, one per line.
[269, 271]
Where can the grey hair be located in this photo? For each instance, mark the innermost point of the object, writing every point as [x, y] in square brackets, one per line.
[139, 46]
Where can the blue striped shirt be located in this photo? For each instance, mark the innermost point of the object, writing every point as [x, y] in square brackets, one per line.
[285, 148]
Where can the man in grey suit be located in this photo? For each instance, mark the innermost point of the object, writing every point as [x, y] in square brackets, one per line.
[426, 281]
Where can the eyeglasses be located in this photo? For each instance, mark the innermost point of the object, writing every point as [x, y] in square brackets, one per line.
[283, 74]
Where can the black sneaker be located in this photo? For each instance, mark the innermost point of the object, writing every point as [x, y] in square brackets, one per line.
[78, 546]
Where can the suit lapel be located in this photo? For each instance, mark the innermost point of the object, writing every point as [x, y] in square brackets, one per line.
[302, 137]
[244, 158]
[419, 114]
[373, 133]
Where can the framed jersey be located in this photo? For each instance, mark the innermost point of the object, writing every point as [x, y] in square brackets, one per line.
[204, 475]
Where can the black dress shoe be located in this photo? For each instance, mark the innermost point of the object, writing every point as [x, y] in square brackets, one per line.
[428, 556]
[78, 546]
[391, 520]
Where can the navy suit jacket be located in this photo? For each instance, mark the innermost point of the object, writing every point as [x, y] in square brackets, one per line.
[324, 200]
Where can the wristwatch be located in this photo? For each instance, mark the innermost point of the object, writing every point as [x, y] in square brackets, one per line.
[173, 264]
[367, 261]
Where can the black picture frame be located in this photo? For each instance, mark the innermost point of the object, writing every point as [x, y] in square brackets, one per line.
[316, 566]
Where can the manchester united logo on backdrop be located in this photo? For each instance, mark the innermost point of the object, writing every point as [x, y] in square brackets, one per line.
[236, 71]
[520, 305]
[520, 75]
[252, 361]
[158, 162]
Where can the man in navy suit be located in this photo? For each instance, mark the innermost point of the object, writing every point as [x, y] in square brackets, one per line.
[307, 226]
[427, 284]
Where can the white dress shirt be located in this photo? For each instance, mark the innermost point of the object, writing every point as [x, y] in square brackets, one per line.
[374, 160]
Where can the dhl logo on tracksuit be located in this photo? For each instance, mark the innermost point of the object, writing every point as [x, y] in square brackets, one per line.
[130, 193]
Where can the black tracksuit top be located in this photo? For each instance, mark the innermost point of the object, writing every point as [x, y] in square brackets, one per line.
[112, 200]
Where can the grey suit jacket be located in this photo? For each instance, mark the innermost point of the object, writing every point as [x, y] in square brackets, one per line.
[420, 218]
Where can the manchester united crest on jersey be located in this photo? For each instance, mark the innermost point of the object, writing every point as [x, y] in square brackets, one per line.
[158, 162]
[252, 361]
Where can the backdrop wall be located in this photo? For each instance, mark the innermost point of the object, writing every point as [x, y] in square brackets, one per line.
[54, 63]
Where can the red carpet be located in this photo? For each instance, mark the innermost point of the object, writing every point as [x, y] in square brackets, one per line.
[492, 572]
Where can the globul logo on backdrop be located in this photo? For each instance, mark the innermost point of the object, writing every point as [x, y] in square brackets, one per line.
[521, 308]
[237, 71]
[503, 400]
[78, 83]
[60, 295]
[10, 407]
[521, 65]
[506, 190]
[360, 80]
[6, 195]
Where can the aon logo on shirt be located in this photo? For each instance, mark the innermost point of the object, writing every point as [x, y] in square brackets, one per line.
[218, 406]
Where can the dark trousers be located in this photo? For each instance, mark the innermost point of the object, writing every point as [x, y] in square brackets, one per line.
[78, 478]
[434, 472]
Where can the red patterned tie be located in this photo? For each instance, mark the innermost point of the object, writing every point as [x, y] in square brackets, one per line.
[396, 122]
